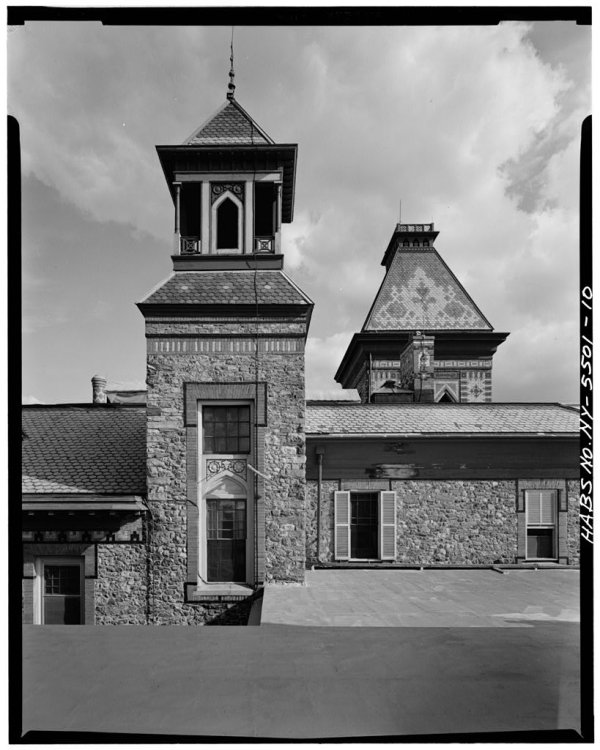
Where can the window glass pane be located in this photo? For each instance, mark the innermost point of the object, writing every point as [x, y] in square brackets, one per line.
[223, 426]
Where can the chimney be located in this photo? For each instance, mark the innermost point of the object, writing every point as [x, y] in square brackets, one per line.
[99, 389]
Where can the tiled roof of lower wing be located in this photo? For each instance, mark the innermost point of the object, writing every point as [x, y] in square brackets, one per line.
[346, 419]
[228, 288]
[84, 449]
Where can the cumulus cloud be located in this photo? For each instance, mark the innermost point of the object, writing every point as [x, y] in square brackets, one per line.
[471, 127]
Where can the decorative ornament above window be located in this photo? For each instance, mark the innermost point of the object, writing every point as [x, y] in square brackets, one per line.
[218, 188]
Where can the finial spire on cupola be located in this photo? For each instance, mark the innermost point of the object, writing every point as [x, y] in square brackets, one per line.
[231, 84]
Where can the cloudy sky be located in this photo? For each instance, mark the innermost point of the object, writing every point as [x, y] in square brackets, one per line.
[474, 128]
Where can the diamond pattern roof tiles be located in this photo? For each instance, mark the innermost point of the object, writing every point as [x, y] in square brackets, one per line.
[84, 449]
[230, 124]
[343, 418]
[420, 292]
[228, 287]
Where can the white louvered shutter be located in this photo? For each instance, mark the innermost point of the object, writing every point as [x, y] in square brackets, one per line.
[387, 525]
[541, 506]
[341, 504]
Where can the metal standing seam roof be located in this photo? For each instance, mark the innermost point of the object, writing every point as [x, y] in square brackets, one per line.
[346, 419]
[420, 291]
[230, 124]
[227, 288]
[84, 449]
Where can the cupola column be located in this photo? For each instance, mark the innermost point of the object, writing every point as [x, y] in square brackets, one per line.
[249, 217]
[176, 238]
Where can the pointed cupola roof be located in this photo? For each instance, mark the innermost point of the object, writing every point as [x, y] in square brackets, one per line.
[419, 291]
[230, 124]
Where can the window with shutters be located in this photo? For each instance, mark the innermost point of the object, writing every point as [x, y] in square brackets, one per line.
[365, 525]
[540, 507]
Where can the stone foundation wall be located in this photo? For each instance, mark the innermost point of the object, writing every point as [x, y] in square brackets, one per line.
[441, 522]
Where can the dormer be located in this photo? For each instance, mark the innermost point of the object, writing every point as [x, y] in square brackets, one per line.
[232, 187]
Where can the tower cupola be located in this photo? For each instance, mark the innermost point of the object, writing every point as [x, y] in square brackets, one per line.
[232, 188]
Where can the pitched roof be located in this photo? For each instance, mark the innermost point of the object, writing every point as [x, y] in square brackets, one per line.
[84, 449]
[230, 124]
[227, 287]
[347, 419]
[419, 291]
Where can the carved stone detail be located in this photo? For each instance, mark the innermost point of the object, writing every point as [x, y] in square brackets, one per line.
[218, 188]
[216, 466]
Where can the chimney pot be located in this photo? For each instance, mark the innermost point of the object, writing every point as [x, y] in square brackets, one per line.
[99, 389]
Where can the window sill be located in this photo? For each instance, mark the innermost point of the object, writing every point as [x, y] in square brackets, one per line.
[218, 592]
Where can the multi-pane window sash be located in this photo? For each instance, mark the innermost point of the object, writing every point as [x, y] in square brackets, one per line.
[226, 429]
[61, 579]
[541, 507]
[226, 519]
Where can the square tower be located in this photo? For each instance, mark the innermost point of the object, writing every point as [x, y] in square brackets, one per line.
[225, 334]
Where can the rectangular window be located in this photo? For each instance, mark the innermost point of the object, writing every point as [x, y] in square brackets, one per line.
[364, 525]
[226, 539]
[540, 508]
[226, 429]
[62, 585]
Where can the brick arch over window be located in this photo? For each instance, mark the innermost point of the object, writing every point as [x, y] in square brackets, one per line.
[227, 224]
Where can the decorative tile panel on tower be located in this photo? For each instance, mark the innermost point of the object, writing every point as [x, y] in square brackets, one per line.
[424, 338]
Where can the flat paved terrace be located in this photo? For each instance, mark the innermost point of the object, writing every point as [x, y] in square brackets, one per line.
[425, 598]
[307, 681]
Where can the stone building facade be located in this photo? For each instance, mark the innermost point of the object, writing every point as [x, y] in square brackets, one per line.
[177, 505]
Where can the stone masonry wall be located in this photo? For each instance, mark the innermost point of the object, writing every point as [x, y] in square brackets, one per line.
[573, 530]
[120, 590]
[452, 522]
[463, 522]
[284, 461]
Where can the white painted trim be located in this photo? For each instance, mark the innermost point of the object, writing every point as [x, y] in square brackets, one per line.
[204, 489]
[248, 217]
[213, 225]
[260, 176]
[38, 592]
[205, 216]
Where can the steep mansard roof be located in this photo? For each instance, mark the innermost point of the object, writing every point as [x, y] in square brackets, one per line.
[84, 449]
[420, 292]
[230, 124]
[347, 419]
[227, 288]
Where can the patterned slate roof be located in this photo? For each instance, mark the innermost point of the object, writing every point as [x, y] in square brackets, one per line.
[227, 287]
[420, 292]
[343, 418]
[230, 124]
[84, 449]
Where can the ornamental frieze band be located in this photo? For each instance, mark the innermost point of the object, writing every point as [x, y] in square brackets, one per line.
[225, 346]
[219, 465]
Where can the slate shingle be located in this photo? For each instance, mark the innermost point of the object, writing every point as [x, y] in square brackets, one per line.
[84, 449]
[349, 418]
[230, 124]
[419, 291]
[227, 288]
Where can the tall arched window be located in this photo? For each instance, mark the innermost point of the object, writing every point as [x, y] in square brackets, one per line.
[227, 225]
